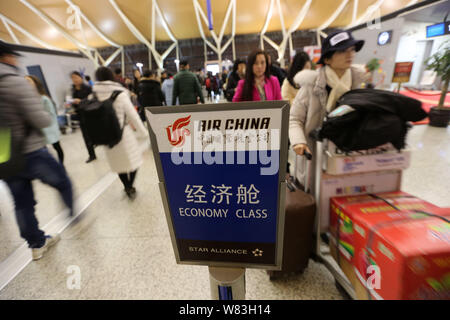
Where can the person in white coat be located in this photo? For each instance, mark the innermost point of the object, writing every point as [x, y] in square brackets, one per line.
[320, 90]
[125, 158]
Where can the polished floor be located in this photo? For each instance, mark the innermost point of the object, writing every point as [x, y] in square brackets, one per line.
[121, 249]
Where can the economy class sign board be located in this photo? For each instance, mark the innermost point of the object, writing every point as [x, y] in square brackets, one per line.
[221, 171]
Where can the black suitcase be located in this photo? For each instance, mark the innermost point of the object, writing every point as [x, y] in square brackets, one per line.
[298, 231]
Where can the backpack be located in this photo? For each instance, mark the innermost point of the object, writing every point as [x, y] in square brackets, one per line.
[208, 83]
[100, 120]
[12, 160]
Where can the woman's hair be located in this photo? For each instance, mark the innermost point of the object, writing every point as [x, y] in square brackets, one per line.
[247, 93]
[39, 86]
[149, 73]
[298, 63]
[104, 74]
[236, 64]
[76, 73]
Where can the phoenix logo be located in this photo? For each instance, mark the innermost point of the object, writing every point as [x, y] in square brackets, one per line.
[176, 132]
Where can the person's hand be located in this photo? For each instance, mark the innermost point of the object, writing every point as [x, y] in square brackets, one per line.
[301, 148]
[76, 101]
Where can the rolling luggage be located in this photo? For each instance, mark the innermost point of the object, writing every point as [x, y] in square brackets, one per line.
[298, 231]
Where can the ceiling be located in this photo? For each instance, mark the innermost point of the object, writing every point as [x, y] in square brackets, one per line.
[435, 13]
[179, 14]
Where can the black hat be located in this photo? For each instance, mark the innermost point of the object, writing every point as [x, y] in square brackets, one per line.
[338, 41]
[6, 48]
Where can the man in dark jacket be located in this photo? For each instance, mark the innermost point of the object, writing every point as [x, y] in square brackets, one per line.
[186, 86]
[81, 91]
[149, 92]
[22, 112]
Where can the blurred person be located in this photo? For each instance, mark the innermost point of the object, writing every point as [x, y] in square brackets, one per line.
[276, 71]
[52, 133]
[186, 86]
[320, 89]
[136, 78]
[208, 83]
[149, 92]
[89, 81]
[289, 89]
[118, 77]
[167, 89]
[22, 112]
[238, 73]
[164, 76]
[258, 84]
[124, 158]
[81, 91]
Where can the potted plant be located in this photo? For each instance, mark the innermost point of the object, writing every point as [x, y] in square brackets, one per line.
[372, 66]
[440, 63]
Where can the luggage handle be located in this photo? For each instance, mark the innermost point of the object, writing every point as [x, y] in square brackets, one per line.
[306, 183]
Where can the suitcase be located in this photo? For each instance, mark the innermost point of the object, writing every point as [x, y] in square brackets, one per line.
[298, 231]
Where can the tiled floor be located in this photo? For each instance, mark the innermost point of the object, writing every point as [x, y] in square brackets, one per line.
[123, 250]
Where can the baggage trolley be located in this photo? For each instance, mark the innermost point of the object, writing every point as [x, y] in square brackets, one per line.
[322, 251]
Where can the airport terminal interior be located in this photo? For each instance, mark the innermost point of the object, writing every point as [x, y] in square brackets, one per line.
[120, 244]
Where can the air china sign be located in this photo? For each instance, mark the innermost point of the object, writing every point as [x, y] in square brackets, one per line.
[220, 173]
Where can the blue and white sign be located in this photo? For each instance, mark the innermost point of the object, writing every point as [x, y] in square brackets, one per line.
[222, 171]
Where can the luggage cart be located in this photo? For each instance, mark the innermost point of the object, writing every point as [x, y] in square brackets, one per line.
[322, 251]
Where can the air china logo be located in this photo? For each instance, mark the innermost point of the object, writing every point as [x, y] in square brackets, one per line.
[176, 132]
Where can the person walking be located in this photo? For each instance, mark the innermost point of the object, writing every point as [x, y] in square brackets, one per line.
[149, 92]
[186, 86]
[320, 90]
[125, 158]
[289, 89]
[22, 112]
[167, 89]
[258, 85]
[52, 133]
[238, 73]
[81, 91]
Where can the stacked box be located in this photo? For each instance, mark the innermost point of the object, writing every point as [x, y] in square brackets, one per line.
[387, 207]
[405, 258]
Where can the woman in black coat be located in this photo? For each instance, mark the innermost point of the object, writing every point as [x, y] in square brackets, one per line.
[149, 92]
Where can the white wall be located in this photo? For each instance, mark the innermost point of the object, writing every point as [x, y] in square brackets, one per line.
[409, 49]
[385, 53]
[57, 70]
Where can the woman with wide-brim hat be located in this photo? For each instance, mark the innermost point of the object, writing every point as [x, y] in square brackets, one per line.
[320, 90]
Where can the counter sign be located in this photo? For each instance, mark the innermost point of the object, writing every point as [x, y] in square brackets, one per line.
[221, 171]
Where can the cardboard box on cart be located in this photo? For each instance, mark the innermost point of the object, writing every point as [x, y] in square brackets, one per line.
[384, 157]
[409, 257]
[354, 184]
[343, 213]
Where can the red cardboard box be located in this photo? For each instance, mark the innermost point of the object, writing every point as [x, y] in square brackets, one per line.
[386, 207]
[409, 255]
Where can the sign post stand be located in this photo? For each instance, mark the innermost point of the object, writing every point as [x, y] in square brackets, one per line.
[227, 283]
[402, 73]
[221, 171]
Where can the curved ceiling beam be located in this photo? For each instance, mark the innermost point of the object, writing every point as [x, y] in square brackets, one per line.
[369, 12]
[29, 35]
[333, 17]
[43, 16]
[164, 22]
[135, 31]
[218, 48]
[11, 33]
[286, 35]
[101, 34]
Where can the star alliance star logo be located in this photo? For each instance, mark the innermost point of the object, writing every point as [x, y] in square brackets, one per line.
[257, 253]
